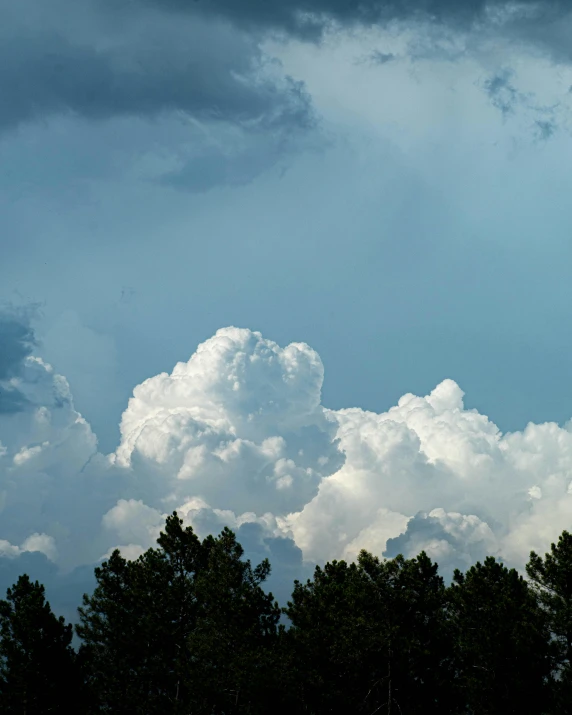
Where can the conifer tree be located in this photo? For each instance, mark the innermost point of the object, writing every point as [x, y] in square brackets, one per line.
[501, 642]
[551, 578]
[372, 635]
[184, 628]
[135, 625]
[235, 638]
[37, 663]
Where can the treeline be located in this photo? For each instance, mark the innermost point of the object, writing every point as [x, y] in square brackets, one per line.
[188, 629]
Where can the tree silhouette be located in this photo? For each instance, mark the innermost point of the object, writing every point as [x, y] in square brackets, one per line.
[38, 671]
[501, 641]
[185, 627]
[551, 578]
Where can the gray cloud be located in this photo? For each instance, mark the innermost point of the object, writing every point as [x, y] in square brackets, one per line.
[453, 540]
[308, 18]
[381, 58]
[502, 93]
[232, 161]
[64, 590]
[102, 59]
[545, 129]
[85, 59]
[11, 400]
[17, 340]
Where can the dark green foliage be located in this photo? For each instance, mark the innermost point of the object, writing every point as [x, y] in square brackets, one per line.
[501, 641]
[372, 635]
[331, 639]
[136, 624]
[37, 664]
[187, 629]
[551, 577]
[235, 632]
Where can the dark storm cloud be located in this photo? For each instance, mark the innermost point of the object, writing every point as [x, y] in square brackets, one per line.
[106, 58]
[17, 340]
[547, 25]
[309, 17]
[104, 62]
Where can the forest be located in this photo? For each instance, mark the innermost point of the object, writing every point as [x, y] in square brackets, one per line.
[187, 628]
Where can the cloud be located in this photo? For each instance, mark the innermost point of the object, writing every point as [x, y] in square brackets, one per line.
[240, 423]
[89, 360]
[100, 62]
[381, 58]
[545, 129]
[35, 543]
[232, 157]
[546, 25]
[451, 539]
[45, 447]
[502, 93]
[307, 18]
[64, 590]
[238, 436]
[17, 340]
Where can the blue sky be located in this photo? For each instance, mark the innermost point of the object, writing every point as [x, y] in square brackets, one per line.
[389, 186]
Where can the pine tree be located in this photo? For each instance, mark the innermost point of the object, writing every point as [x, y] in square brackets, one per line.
[372, 636]
[551, 578]
[333, 640]
[411, 601]
[184, 628]
[135, 625]
[38, 672]
[235, 639]
[502, 641]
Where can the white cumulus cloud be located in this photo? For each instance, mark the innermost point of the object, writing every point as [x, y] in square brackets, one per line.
[237, 436]
[231, 425]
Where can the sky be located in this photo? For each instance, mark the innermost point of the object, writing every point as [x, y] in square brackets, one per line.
[300, 268]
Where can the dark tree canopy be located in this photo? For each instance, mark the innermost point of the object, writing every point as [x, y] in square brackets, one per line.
[185, 627]
[551, 577]
[188, 629]
[373, 635]
[37, 664]
[501, 641]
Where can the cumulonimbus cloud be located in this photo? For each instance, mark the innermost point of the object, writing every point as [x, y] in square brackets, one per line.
[237, 436]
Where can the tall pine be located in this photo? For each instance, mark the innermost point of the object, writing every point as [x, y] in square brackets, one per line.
[38, 672]
[184, 628]
[551, 577]
[502, 651]
[372, 636]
